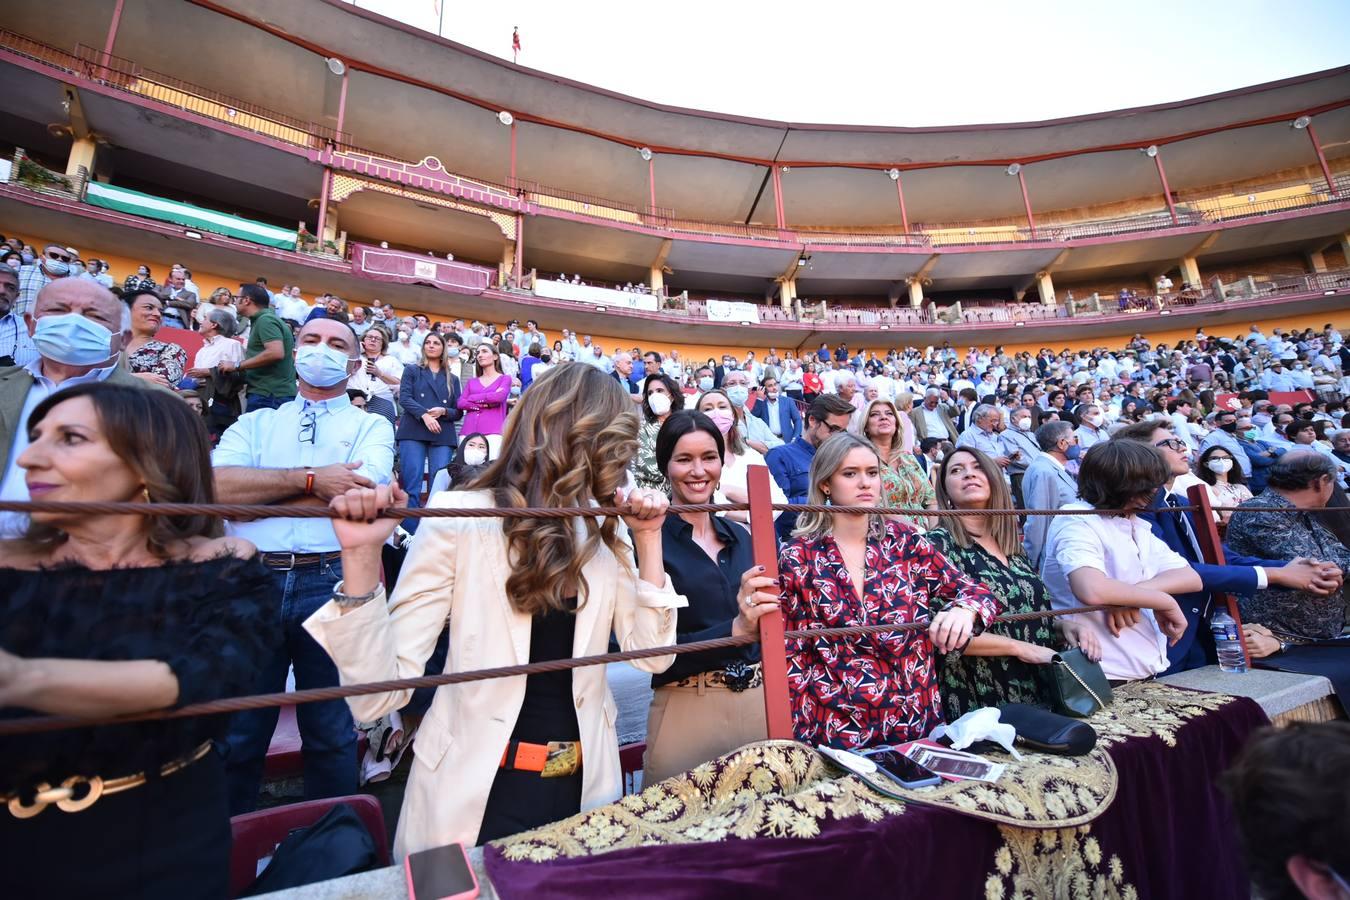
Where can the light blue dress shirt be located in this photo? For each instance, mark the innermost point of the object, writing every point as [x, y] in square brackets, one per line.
[272, 439]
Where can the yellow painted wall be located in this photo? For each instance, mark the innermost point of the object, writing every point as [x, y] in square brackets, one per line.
[122, 266]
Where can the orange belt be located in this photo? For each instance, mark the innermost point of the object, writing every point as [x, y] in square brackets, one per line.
[555, 759]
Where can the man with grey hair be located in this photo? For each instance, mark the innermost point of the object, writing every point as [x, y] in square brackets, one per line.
[1048, 484]
[931, 418]
[76, 328]
[986, 421]
[16, 348]
[219, 391]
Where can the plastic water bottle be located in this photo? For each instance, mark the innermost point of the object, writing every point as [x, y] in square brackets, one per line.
[1227, 641]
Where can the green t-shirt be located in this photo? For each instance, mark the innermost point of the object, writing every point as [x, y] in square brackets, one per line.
[278, 378]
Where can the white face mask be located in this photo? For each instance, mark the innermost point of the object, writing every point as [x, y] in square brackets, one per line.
[1219, 466]
[474, 456]
[1022, 423]
[660, 403]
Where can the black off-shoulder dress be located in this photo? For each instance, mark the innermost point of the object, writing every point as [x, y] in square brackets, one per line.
[213, 623]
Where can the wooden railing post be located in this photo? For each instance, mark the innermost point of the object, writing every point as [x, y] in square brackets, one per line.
[773, 646]
[1207, 533]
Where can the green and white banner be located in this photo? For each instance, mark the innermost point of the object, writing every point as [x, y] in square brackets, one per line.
[151, 207]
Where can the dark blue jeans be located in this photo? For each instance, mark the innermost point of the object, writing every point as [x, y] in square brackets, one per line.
[259, 401]
[413, 457]
[327, 731]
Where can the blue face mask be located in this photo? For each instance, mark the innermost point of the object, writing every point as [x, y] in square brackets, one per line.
[56, 268]
[705, 384]
[738, 394]
[320, 365]
[73, 340]
[1073, 451]
[453, 353]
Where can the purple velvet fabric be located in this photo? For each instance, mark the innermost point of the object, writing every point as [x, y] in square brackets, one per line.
[1168, 833]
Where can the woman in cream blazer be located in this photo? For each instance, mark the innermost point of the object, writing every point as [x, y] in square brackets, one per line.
[457, 569]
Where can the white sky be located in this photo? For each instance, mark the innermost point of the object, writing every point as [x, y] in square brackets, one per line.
[905, 63]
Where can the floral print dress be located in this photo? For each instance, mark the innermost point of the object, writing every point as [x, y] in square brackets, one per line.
[905, 485]
[970, 682]
[159, 358]
[877, 688]
[645, 471]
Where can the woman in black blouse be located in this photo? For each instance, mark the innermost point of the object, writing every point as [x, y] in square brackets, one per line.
[108, 615]
[705, 704]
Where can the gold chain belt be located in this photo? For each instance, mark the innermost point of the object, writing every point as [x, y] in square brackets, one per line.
[64, 797]
[737, 678]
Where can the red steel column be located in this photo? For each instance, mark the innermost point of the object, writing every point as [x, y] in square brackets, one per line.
[651, 184]
[1026, 202]
[520, 247]
[112, 30]
[773, 646]
[1321, 159]
[900, 193]
[323, 203]
[778, 199]
[342, 104]
[1167, 191]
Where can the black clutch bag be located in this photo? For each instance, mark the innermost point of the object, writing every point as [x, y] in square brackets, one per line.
[1078, 686]
[1047, 732]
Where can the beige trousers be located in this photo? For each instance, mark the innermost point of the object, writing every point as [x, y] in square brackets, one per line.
[688, 726]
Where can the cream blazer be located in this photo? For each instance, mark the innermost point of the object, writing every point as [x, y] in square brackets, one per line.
[457, 569]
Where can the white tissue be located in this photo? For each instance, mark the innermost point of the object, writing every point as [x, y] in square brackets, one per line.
[978, 725]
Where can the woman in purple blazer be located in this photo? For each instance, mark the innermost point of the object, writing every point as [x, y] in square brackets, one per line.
[484, 397]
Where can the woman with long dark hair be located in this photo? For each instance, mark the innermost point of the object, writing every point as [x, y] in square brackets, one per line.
[661, 397]
[429, 395]
[108, 615]
[497, 757]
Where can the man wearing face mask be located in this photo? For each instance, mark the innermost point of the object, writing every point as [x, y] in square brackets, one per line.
[268, 366]
[303, 452]
[1225, 436]
[1048, 484]
[1090, 431]
[75, 329]
[1019, 445]
[754, 430]
[54, 264]
[781, 415]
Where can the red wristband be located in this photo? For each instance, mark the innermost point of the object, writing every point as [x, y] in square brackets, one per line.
[309, 482]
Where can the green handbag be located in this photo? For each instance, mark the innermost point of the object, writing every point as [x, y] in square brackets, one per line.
[1078, 686]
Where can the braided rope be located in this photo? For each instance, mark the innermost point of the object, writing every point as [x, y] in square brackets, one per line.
[39, 724]
[263, 511]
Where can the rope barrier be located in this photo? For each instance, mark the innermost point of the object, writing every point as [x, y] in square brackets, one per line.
[39, 724]
[263, 511]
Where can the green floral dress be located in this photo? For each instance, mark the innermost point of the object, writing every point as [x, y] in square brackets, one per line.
[906, 486]
[970, 682]
[645, 471]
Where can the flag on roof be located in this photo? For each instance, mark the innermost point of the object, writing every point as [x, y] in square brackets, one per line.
[515, 39]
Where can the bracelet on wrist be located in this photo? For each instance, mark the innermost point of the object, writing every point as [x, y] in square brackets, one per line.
[347, 601]
[309, 482]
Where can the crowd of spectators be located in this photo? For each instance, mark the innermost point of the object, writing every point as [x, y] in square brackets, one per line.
[322, 404]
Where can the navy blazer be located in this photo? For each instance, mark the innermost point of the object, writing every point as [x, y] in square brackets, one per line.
[419, 391]
[789, 417]
[1196, 647]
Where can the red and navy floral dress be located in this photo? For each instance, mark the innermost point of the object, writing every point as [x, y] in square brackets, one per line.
[876, 688]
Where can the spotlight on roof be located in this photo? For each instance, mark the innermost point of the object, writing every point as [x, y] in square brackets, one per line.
[505, 117]
[197, 236]
[787, 169]
[231, 113]
[1329, 292]
[803, 260]
[893, 174]
[645, 152]
[1014, 168]
[1150, 151]
[1302, 122]
[336, 66]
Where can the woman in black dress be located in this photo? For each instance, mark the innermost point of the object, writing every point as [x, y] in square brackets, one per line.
[108, 615]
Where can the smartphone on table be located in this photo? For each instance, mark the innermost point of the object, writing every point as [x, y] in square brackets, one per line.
[901, 769]
[441, 873]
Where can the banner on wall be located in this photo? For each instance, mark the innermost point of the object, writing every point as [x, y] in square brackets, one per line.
[383, 264]
[732, 311]
[597, 296]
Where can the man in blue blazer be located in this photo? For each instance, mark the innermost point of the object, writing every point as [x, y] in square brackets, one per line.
[1178, 529]
[778, 412]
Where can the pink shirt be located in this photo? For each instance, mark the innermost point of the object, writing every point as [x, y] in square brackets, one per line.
[484, 405]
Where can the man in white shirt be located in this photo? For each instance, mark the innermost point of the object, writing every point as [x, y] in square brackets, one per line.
[983, 434]
[673, 366]
[1090, 431]
[1048, 483]
[305, 452]
[421, 328]
[1103, 560]
[403, 349]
